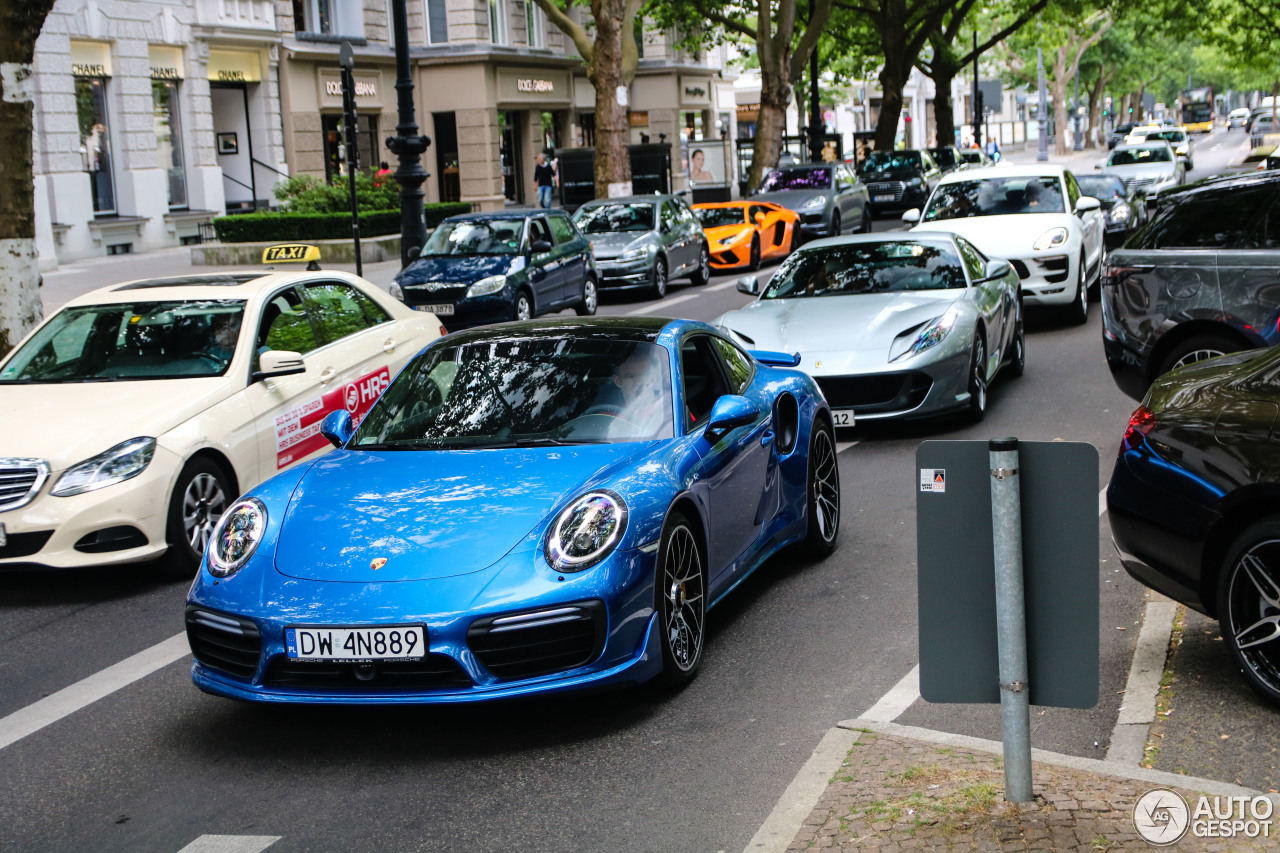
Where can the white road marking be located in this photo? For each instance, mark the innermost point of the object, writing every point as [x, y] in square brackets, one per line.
[231, 844]
[724, 285]
[899, 698]
[661, 304]
[67, 701]
[842, 446]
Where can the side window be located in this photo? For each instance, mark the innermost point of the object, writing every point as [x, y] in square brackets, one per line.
[685, 214]
[373, 312]
[285, 325]
[335, 311]
[1214, 221]
[974, 262]
[668, 214]
[1073, 191]
[538, 231]
[703, 381]
[736, 363]
[562, 229]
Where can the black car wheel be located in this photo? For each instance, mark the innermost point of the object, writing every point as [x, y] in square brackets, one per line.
[590, 298]
[1018, 359]
[866, 220]
[523, 306]
[199, 498]
[702, 274]
[754, 262]
[978, 381]
[680, 600]
[835, 224]
[1249, 606]
[1077, 313]
[1199, 348]
[659, 278]
[824, 492]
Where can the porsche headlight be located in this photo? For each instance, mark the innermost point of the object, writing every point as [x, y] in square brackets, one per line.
[1121, 212]
[814, 203]
[1049, 239]
[586, 532]
[396, 291]
[126, 460]
[931, 334]
[236, 536]
[635, 254]
[485, 286]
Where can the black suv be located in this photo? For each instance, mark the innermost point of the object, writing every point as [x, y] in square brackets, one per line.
[899, 180]
[1200, 279]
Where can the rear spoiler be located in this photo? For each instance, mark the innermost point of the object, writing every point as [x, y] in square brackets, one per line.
[776, 359]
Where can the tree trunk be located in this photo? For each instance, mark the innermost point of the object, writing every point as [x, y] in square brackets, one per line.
[1096, 96]
[613, 162]
[20, 310]
[775, 93]
[944, 115]
[892, 80]
[1061, 123]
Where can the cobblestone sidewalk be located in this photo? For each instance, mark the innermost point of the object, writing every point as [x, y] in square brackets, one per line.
[895, 793]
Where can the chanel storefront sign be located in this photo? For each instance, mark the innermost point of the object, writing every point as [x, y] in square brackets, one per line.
[166, 62]
[90, 59]
[234, 66]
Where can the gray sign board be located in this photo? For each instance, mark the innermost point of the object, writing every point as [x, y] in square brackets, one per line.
[955, 566]
[992, 95]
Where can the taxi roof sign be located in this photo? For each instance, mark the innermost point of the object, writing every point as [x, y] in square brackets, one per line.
[294, 253]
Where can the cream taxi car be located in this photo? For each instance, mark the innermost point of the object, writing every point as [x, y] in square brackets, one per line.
[137, 413]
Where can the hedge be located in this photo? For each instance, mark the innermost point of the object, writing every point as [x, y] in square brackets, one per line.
[283, 226]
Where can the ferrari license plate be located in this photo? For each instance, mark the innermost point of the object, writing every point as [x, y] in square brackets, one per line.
[392, 642]
[445, 310]
[842, 417]
[883, 198]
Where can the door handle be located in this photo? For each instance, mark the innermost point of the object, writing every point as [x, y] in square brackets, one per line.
[389, 345]
[327, 374]
[766, 439]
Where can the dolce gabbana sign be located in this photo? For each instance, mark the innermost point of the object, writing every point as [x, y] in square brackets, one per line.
[529, 84]
[363, 90]
[368, 88]
[545, 86]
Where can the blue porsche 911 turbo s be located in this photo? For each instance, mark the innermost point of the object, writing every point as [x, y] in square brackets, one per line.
[528, 508]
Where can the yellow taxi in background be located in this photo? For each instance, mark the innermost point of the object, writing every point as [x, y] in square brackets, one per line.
[137, 413]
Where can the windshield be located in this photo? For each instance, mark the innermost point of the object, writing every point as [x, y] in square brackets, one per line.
[510, 392]
[884, 162]
[890, 267]
[971, 156]
[1102, 187]
[608, 218]
[1168, 135]
[818, 178]
[132, 340]
[476, 237]
[1139, 156]
[1196, 113]
[714, 217]
[995, 197]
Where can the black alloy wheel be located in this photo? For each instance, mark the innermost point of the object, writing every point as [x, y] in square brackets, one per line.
[823, 509]
[865, 228]
[1018, 360]
[978, 381]
[523, 306]
[835, 224]
[702, 274]
[1078, 311]
[586, 307]
[199, 498]
[1198, 348]
[754, 262]
[680, 593]
[659, 277]
[1249, 606]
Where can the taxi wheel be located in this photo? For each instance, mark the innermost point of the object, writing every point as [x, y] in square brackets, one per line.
[200, 497]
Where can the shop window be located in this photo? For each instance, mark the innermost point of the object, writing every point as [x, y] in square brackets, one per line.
[533, 22]
[95, 141]
[586, 130]
[437, 22]
[693, 126]
[498, 21]
[368, 153]
[329, 17]
[164, 98]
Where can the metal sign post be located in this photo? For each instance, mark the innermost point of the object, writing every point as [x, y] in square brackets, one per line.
[347, 59]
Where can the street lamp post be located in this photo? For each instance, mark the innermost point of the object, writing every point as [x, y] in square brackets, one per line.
[408, 145]
[1043, 153]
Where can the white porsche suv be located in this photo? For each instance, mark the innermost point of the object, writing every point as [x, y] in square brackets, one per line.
[1034, 216]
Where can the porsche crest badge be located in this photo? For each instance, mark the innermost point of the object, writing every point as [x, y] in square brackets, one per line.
[378, 563]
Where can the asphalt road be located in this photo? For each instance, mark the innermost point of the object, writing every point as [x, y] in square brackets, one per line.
[157, 765]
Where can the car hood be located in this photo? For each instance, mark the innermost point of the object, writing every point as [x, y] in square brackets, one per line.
[460, 269]
[790, 199]
[67, 423]
[1142, 170]
[612, 244]
[431, 514]
[728, 232]
[842, 332]
[1008, 236]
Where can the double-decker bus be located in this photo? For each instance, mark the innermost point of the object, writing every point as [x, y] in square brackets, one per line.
[1197, 110]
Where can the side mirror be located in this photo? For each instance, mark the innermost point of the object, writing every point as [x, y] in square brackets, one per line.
[337, 427]
[279, 362]
[759, 218]
[749, 284]
[731, 412]
[1086, 203]
[538, 247]
[413, 252]
[997, 268]
[912, 216]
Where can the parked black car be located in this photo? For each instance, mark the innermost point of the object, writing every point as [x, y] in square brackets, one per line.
[1118, 133]
[947, 157]
[1123, 209]
[1194, 502]
[1200, 279]
[828, 196]
[481, 268]
[645, 241]
[899, 180]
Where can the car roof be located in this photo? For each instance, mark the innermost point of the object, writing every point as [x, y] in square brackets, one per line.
[1042, 170]
[612, 328]
[631, 199]
[198, 286]
[511, 213]
[1147, 143]
[881, 237]
[1223, 183]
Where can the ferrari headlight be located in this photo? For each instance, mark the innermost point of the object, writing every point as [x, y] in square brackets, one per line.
[485, 286]
[396, 291]
[126, 460]
[931, 334]
[1121, 212]
[1049, 239]
[814, 203]
[635, 254]
[586, 532]
[236, 536]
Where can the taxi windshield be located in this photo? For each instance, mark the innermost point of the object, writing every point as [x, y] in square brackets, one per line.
[524, 392]
[130, 341]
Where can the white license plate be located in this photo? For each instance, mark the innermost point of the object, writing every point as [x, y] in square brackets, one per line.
[391, 642]
[438, 310]
[842, 417]
[883, 198]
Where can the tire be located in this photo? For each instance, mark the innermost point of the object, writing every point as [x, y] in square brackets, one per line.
[1249, 606]
[823, 490]
[1095, 288]
[797, 238]
[1018, 362]
[977, 409]
[866, 221]
[680, 601]
[586, 307]
[702, 274]
[1198, 348]
[659, 285]
[835, 224]
[522, 308]
[754, 262]
[200, 496]
[1077, 313]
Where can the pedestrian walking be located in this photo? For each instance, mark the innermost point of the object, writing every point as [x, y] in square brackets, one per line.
[380, 176]
[544, 175]
[993, 150]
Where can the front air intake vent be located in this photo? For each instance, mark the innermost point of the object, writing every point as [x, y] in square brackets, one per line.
[221, 641]
[539, 642]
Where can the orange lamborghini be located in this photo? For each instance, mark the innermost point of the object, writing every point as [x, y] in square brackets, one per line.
[743, 233]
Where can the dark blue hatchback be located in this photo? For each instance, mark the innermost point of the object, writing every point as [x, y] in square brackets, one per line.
[481, 268]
